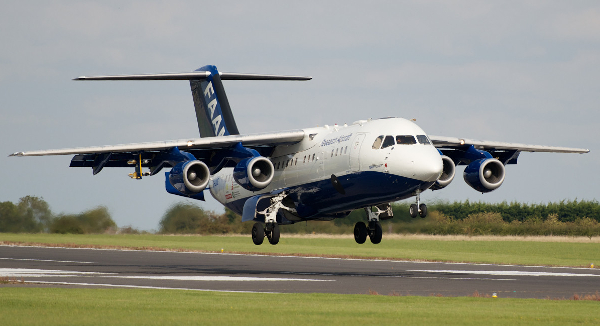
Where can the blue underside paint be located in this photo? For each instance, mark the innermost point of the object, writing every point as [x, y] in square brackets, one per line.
[362, 189]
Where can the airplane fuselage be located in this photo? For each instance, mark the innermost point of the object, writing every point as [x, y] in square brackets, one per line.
[336, 169]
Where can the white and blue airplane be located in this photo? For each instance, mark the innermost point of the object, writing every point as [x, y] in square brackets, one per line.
[320, 173]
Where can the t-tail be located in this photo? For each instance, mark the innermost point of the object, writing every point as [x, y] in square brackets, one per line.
[213, 112]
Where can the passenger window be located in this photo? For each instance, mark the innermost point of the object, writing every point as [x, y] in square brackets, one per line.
[377, 143]
[423, 139]
[405, 140]
[388, 141]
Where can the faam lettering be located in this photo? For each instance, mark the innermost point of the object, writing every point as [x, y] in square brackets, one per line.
[209, 92]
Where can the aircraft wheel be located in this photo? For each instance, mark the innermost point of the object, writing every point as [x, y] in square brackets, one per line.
[413, 210]
[423, 210]
[360, 232]
[258, 233]
[376, 232]
[274, 238]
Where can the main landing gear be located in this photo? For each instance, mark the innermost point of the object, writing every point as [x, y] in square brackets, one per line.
[418, 209]
[373, 231]
[270, 228]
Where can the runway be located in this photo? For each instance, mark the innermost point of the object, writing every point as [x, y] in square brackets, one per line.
[67, 267]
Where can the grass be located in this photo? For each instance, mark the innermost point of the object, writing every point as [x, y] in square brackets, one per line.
[51, 306]
[457, 249]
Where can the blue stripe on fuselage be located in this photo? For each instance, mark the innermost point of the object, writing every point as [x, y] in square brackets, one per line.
[362, 189]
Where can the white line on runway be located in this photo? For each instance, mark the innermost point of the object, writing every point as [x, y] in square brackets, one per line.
[142, 287]
[32, 272]
[218, 278]
[504, 273]
[49, 260]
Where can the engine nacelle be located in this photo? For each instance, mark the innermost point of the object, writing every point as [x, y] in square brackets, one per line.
[448, 172]
[484, 175]
[254, 173]
[190, 177]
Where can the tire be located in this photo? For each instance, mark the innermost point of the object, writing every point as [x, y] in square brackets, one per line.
[258, 233]
[274, 238]
[376, 232]
[423, 210]
[360, 232]
[413, 210]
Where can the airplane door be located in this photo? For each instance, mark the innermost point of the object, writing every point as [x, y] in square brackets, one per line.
[355, 152]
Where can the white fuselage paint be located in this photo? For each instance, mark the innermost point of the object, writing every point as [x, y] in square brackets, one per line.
[340, 150]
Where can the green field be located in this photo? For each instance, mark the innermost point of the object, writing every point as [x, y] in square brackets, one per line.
[515, 251]
[49, 306]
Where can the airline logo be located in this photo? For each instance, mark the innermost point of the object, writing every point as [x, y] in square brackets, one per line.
[211, 99]
[336, 140]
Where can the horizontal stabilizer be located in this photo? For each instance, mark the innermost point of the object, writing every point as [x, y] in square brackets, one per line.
[196, 75]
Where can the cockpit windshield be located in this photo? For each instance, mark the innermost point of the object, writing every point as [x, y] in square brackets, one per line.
[405, 140]
[423, 139]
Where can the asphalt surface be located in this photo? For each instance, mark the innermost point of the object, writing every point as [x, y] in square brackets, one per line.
[66, 267]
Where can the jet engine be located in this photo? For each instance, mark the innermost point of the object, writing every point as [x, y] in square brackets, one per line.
[448, 172]
[484, 175]
[254, 173]
[190, 177]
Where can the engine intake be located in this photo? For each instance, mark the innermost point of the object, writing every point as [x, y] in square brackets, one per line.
[484, 175]
[254, 173]
[448, 172]
[190, 177]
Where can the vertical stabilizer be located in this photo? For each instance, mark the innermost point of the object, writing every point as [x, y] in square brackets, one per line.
[212, 108]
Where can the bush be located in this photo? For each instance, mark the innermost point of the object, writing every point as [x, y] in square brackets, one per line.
[96, 220]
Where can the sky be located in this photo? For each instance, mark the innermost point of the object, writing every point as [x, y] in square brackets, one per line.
[512, 71]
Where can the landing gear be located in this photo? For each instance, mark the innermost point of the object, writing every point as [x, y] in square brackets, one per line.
[374, 230]
[270, 230]
[418, 209]
[360, 232]
[273, 233]
[258, 233]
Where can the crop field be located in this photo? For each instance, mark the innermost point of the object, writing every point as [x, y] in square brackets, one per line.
[549, 251]
[51, 306]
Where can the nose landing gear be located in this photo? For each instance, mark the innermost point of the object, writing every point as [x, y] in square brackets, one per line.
[418, 209]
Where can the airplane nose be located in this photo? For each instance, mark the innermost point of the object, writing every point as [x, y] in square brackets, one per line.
[428, 168]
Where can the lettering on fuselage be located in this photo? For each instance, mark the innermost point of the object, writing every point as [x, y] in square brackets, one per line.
[336, 140]
[209, 92]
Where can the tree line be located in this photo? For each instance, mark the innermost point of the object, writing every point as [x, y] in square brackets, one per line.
[33, 215]
[570, 218]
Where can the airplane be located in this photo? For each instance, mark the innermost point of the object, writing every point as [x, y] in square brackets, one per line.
[320, 173]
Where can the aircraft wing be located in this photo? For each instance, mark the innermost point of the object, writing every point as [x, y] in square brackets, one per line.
[216, 152]
[507, 153]
[250, 141]
[458, 143]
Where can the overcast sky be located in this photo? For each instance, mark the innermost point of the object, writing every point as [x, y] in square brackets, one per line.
[514, 71]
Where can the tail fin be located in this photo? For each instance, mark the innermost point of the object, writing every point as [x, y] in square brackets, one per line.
[212, 108]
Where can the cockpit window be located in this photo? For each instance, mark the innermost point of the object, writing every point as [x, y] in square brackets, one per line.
[377, 142]
[423, 139]
[388, 141]
[405, 140]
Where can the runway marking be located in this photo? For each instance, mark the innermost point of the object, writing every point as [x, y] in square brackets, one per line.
[506, 273]
[304, 257]
[48, 260]
[143, 287]
[29, 272]
[219, 278]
